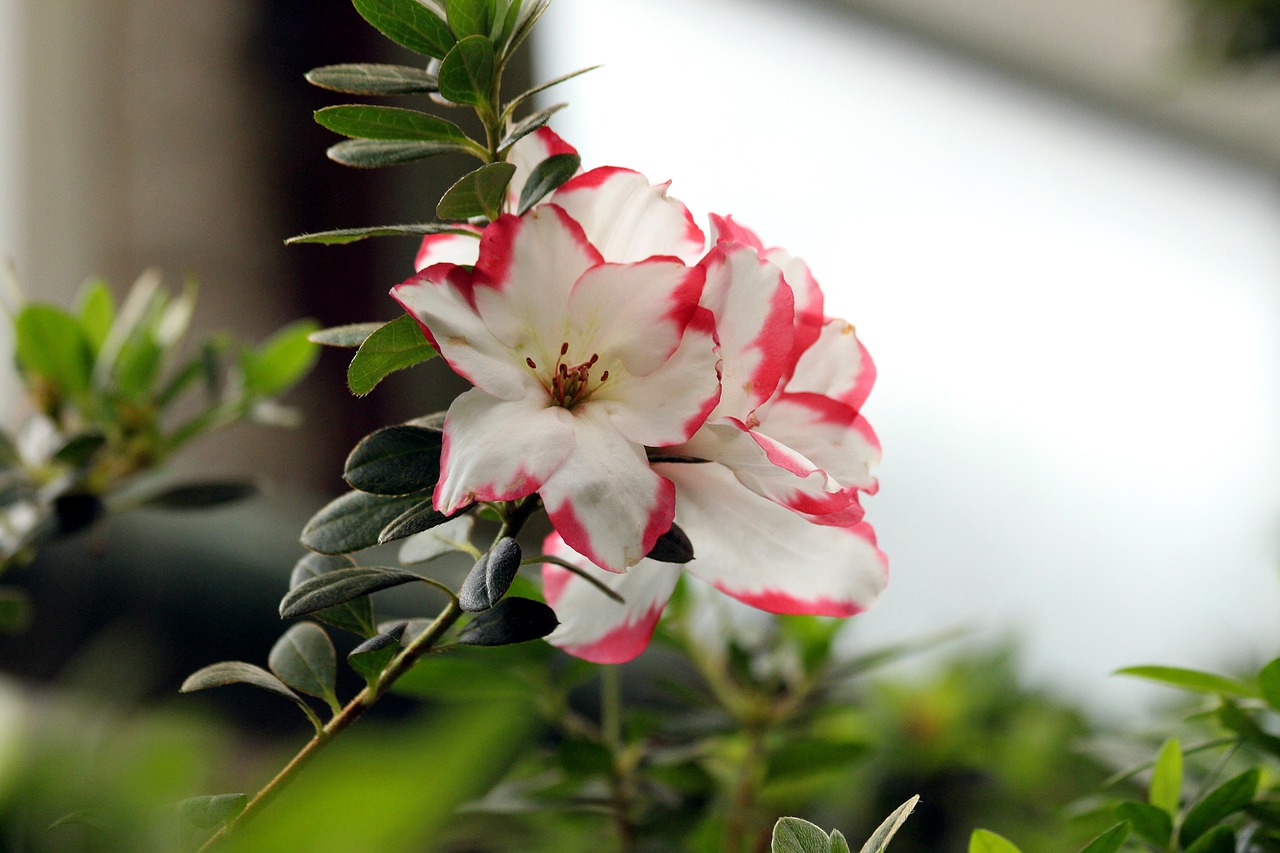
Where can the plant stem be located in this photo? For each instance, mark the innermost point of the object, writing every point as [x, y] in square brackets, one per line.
[620, 781]
[740, 828]
[516, 515]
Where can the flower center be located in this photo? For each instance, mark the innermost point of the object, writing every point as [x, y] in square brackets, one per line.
[570, 384]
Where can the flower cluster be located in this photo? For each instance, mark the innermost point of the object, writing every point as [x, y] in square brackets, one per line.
[635, 374]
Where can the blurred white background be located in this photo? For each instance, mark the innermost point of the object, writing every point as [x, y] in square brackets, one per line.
[1076, 319]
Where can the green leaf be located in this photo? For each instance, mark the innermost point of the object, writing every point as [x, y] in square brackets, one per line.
[1110, 841]
[466, 74]
[52, 348]
[470, 17]
[97, 309]
[239, 672]
[506, 19]
[511, 620]
[355, 615]
[438, 541]
[415, 520]
[353, 522]
[1165, 790]
[15, 610]
[491, 576]
[78, 450]
[1220, 803]
[884, 833]
[280, 362]
[350, 336]
[529, 124]
[213, 811]
[351, 235]
[1246, 727]
[1148, 821]
[480, 193]
[202, 495]
[515, 102]
[371, 657]
[394, 346]
[1269, 683]
[1220, 839]
[375, 153]
[1193, 680]
[340, 586]
[304, 659]
[395, 460]
[362, 121]
[409, 24]
[838, 842]
[547, 177]
[373, 79]
[795, 835]
[984, 841]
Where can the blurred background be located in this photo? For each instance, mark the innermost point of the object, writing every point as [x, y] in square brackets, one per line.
[1055, 223]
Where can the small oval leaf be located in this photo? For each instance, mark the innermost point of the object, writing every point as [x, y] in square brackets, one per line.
[373, 79]
[395, 346]
[529, 124]
[355, 615]
[371, 657]
[478, 194]
[353, 522]
[1193, 680]
[417, 519]
[466, 73]
[1165, 790]
[395, 460]
[796, 835]
[304, 659]
[491, 576]
[1220, 803]
[350, 336]
[547, 177]
[985, 841]
[376, 153]
[511, 620]
[339, 586]
[1148, 821]
[364, 121]
[408, 23]
[884, 833]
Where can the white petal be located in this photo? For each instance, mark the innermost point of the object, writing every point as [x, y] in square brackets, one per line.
[440, 299]
[526, 271]
[604, 499]
[499, 450]
[592, 625]
[834, 436]
[627, 219]
[836, 366]
[769, 557]
[670, 404]
[636, 313]
[448, 249]
[754, 311]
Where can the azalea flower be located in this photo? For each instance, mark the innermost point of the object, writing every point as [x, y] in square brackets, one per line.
[578, 364]
[773, 515]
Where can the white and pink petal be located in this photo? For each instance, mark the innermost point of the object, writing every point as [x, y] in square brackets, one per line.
[833, 436]
[754, 312]
[628, 219]
[604, 500]
[594, 626]
[499, 450]
[836, 365]
[449, 248]
[527, 154]
[769, 557]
